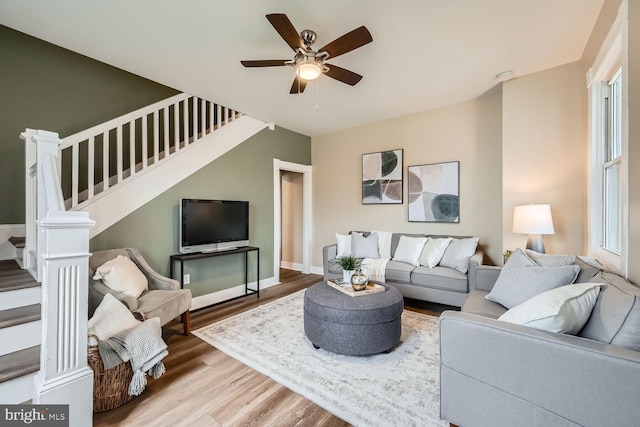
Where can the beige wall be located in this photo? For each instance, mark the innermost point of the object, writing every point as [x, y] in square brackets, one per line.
[469, 132]
[544, 153]
[291, 191]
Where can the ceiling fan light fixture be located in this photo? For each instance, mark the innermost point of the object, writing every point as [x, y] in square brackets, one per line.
[308, 69]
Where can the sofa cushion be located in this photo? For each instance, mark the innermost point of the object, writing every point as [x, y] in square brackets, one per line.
[364, 247]
[615, 319]
[433, 251]
[521, 279]
[398, 272]
[164, 304]
[562, 310]
[458, 252]
[409, 250]
[440, 278]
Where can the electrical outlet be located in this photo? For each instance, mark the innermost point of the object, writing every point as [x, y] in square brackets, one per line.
[186, 279]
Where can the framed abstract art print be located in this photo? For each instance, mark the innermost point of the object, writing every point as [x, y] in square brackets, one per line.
[382, 177]
[434, 192]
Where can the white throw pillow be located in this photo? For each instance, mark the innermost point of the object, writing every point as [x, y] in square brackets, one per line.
[344, 245]
[563, 310]
[409, 250]
[433, 251]
[110, 318]
[122, 275]
[384, 243]
[458, 253]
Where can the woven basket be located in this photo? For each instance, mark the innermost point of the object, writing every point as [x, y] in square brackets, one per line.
[110, 386]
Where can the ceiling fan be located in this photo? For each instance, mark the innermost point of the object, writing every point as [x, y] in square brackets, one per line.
[308, 63]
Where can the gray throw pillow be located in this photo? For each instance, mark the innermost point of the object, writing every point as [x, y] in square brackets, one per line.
[519, 259]
[615, 319]
[364, 247]
[587, 271]
[521, 279]
[551, 260]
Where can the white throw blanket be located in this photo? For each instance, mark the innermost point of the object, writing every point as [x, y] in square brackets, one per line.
[374, 268]
[143, 346]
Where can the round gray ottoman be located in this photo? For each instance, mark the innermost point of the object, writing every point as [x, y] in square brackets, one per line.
[356, 326]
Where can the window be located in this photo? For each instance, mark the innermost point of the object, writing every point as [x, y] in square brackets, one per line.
[608, 132]
[611, 167]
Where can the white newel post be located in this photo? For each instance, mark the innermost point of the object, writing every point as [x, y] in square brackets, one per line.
[63, 269]
[29, 250]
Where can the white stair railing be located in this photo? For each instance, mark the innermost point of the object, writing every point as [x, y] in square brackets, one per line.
[99, 158]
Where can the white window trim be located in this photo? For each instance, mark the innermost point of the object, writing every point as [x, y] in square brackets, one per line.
[612, 55]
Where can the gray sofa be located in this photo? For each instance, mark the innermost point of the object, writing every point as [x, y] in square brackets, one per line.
[494, 373]
[438, 284]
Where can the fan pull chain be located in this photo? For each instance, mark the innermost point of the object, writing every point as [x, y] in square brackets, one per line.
[317, 94]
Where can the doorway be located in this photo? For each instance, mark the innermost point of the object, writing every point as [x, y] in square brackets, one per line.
[292, 216]
[291, 192]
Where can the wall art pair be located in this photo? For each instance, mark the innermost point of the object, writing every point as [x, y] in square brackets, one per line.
[433, 193]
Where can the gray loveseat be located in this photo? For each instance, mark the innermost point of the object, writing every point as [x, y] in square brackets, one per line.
[439, 284]
[494, 373]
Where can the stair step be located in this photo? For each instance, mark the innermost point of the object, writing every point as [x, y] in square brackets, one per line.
[19, 316]
[19, 363]
[12, 277]
[20, 328]
[18, 242]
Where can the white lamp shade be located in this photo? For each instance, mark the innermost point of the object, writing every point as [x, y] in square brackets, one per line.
[532, 219]
[308, 69]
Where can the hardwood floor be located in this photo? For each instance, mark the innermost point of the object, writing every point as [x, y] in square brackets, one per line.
[205, 387]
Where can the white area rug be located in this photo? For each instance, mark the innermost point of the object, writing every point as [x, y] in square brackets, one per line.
[396, 389]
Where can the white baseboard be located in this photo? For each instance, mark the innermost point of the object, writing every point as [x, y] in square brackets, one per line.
[7, 250]
[225, 294]
[317, 270]
[291, 265]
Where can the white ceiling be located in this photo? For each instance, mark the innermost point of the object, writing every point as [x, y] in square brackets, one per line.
[425, 53]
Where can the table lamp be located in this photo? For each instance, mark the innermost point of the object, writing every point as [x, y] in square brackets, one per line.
[533, 220]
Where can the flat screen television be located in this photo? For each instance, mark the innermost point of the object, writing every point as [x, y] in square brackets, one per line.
[213, 225]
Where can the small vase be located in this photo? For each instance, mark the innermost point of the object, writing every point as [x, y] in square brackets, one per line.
[346, 275]
[358, 281]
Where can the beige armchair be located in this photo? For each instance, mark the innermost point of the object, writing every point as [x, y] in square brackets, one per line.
[163, 299]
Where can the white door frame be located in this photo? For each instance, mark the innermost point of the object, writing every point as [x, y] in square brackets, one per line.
[305, 170]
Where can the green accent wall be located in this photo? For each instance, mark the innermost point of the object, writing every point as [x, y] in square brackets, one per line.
[244, 173]
[43, 86]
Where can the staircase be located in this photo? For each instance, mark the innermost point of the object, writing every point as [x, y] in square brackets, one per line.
[20, 330]
[77, 187]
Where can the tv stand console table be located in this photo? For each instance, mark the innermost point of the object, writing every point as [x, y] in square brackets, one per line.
[182, 258]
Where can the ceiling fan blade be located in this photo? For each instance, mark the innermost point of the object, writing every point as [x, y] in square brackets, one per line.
[345, 76]
[298, 85]
[287, 31]
[264, 63]
[348, 42]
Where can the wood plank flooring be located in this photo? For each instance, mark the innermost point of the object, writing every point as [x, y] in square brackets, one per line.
[205, 387]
